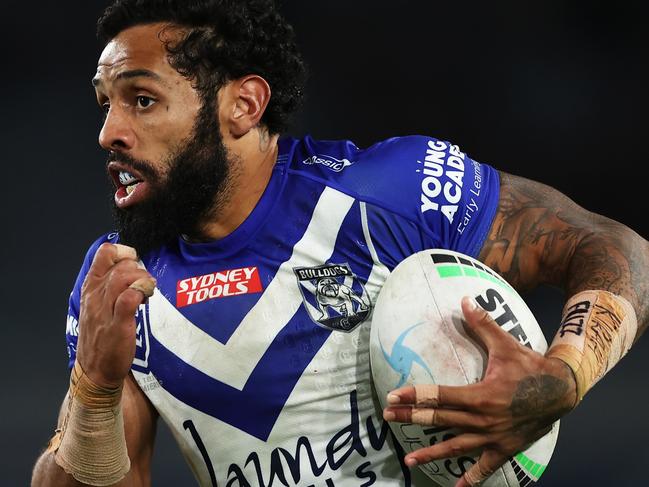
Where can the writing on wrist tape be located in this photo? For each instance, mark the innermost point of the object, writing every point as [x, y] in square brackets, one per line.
[598, 328]
[90, 444]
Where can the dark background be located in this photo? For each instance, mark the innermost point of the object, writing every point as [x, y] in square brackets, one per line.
[555, 91]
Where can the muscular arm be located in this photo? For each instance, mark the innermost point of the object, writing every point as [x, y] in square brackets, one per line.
[139, 424]
[540, 236]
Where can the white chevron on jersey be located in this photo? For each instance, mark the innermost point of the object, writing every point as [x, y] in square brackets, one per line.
[275, 308]
[380, 271]
[281, 398]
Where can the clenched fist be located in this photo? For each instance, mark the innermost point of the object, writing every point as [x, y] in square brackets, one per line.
[116, 284]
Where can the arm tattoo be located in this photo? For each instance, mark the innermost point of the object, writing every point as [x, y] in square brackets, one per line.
[534, 403]
[537, 395]
[539, 236]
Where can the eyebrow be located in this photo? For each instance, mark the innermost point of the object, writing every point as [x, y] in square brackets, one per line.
[134, 73]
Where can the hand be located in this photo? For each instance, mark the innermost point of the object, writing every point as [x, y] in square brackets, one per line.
[106, 346]
[521, 396]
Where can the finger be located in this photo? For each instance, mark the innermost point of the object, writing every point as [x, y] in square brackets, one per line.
[126, 306]
[108, 255]
[146, 285]
[124, 276]
[434, 396]
[423, 395]
[434, 417]
[487, 464]
[124, 266]
[454, 447]
[481, 325]
[124, 252]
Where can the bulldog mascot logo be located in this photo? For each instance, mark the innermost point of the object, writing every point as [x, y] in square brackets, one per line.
[333, 296]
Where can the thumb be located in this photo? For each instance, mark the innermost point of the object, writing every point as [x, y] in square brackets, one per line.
[487, 464]
[481, 324]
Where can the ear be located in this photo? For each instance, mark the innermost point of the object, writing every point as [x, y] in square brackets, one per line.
[251, 96]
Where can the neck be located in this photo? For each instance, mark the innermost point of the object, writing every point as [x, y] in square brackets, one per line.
[251, 166]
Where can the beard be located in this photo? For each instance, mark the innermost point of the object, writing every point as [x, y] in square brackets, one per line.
[194, 189]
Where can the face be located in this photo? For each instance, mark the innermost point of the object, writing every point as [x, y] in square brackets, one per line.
[328, 287]
[166, 161]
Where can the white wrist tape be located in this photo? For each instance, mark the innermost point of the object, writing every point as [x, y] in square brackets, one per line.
[90, 444]
[597, 330]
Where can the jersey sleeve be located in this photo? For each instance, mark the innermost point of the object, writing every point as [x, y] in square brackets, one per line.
[458, 196]
[448, 199]
[72, 327]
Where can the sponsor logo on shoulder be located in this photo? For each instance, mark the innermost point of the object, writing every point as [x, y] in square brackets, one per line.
[336, 165]
[442, 170]
[221, 284]
[333, 296]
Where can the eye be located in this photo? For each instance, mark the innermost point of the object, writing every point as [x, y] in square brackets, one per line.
[144, 101]
[105, 109]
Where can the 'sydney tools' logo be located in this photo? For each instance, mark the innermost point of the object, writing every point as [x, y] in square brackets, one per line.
[221, 284]
[333, 296]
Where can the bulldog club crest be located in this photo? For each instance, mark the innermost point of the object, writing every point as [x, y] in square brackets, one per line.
[333, 296]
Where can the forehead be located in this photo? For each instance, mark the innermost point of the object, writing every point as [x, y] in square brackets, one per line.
[138, 48]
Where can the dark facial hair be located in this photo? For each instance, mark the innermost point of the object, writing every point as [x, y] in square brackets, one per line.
[194, 189]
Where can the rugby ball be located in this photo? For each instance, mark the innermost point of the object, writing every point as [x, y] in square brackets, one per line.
[418, 336]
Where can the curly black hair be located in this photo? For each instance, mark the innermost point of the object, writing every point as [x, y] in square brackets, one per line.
[224, 40]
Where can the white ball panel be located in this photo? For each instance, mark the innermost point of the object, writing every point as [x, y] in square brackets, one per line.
[418, 336]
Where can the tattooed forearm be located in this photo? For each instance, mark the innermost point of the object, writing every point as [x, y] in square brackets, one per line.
[540, 236]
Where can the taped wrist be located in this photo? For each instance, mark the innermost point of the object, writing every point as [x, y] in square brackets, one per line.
[598, 329]
[90, 444]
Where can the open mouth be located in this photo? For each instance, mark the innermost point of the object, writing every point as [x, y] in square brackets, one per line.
[128, 182]
[131, 186]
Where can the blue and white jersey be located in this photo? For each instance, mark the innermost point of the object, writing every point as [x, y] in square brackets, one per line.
[254, 348]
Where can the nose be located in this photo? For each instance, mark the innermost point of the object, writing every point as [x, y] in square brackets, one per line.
[117, 133]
